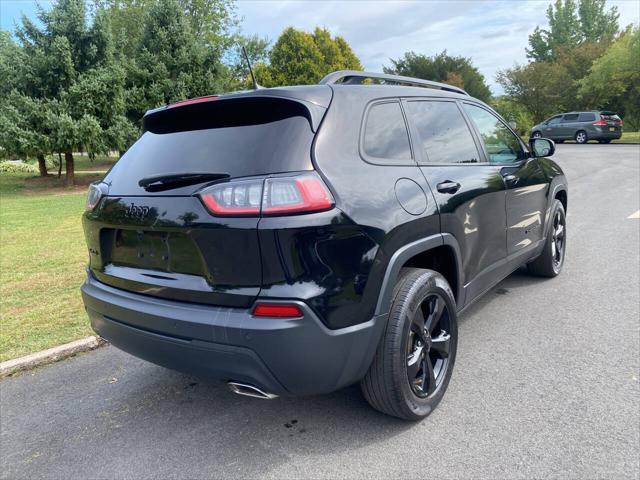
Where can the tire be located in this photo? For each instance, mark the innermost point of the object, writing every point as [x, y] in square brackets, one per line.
[549, 263]
[536, 135]
[581, 137]
[419, 296]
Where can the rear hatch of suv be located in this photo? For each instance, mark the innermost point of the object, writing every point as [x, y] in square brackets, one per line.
[609, 122]
[152, 231]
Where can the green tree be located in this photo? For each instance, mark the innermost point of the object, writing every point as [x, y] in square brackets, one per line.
[24, 131]
[538, 87]
[512, 111]
[301, 58]
[171, 63]
[61, 57]
[613, 81]
[458, 71]
[11, 62]
[571, 24]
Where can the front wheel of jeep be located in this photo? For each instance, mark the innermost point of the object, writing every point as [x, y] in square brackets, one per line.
[414, 360]
[550, 262]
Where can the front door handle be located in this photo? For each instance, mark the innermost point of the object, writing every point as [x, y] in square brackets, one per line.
[510, 179]
[448, 187]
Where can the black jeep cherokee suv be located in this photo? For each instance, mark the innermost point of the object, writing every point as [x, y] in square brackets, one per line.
[293, 241]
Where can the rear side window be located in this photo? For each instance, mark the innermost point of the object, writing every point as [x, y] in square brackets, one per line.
[385, 133]
[570, 117]
[444, 134]
[587, 117]
[501, 144]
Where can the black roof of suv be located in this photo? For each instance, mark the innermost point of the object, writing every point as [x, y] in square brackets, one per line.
[295, 240]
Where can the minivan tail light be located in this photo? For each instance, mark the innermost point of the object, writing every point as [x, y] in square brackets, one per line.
[600, 122]
[277, 310]
[303, 193]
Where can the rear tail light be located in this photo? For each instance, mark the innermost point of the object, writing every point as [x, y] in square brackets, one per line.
[302, 194]
[305, 193]
[93, 197]
[600, 122]
[621, 122]
[277, 310]
[233, 198]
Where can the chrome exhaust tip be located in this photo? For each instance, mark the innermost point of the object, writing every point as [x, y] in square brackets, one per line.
[249, 391]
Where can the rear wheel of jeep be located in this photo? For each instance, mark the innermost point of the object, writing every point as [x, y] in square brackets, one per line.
[414, 360]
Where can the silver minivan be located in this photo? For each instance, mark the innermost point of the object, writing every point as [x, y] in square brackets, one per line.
[602, 126]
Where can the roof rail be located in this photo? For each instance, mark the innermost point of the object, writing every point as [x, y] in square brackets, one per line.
[355, 77]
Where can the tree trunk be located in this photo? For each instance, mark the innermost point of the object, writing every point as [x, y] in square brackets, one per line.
[68, 165]
[59, 164]
[42, 165]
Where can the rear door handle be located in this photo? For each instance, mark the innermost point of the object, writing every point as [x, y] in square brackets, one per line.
[510, 179]
[448, 187]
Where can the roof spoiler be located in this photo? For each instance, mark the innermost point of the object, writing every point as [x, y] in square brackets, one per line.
[355, 77]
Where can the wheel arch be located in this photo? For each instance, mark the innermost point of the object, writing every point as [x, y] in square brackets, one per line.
[438, 252]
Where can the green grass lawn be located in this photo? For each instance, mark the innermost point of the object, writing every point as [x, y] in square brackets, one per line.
[42, 262]
[629, 137]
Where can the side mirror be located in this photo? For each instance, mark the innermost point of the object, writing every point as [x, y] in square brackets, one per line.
[542, 147]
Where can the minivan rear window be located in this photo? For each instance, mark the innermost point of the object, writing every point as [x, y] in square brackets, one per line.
[587, 117]
[254, 142]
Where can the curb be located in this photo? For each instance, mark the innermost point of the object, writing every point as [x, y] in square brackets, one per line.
[51, 355]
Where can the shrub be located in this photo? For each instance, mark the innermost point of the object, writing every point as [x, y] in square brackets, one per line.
[17, 167]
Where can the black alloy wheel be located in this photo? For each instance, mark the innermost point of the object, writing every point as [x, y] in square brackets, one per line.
[428, 346]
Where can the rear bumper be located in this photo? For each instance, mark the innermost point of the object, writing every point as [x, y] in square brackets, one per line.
[605, 134]
[280, 356]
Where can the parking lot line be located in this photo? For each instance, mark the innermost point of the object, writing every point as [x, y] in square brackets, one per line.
[635, 215]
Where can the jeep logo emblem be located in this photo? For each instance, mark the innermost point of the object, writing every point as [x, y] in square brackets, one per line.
[136, 211]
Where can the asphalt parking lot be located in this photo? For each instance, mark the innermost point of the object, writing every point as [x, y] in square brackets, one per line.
[545, 385]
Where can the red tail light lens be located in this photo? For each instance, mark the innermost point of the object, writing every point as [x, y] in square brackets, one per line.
[302, 194]
[305, 193]
[277, 310]
[234, 198]
[600, 122]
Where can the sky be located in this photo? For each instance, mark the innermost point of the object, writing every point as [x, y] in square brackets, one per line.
[493, 33]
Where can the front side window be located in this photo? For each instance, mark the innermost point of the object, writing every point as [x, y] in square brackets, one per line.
[385, 133]
[501, 144]
[444, 134]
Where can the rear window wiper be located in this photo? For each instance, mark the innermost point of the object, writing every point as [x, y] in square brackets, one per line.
[167, 181]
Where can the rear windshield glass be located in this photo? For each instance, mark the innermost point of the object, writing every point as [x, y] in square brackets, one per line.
[275, 145]
[609, 116]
